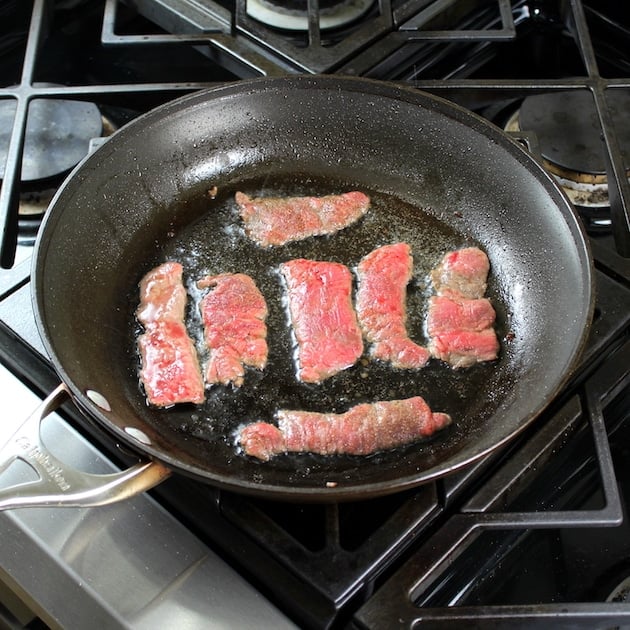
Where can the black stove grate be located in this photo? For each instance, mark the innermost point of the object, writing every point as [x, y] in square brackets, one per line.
[448, 585]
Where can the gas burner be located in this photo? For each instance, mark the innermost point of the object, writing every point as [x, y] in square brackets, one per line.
[37, 194]
[293, 14]
[34, 200]
[58, 134]
[567, 128]
[32, 208]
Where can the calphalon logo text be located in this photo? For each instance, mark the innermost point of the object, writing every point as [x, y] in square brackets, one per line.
[35, 453]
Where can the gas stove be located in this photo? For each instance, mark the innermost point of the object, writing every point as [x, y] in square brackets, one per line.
[535, 535]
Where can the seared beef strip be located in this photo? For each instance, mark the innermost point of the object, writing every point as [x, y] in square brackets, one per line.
[279, 220]
[235, 332]
[459, 320]
[462, 273]
[446, 314]
[463, 348]
[323, 320]
[162, 295]
[170, 369]
[381, 306]
[363, 429]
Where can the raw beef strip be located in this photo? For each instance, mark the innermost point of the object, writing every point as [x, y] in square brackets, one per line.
[361, 430]
[463, 348]
[170, 369]
[462, 272]
[381, 306]
[324, 322]
[446, 314]
[280, 220]
[459, 320]
[234, 313]
[162, 295]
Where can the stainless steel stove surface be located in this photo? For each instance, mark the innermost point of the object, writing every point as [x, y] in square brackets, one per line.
[127, 565]
[535, 536]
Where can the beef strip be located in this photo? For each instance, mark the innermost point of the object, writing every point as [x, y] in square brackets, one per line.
[323, 320]
[459, 320]
[381, 306]
[363, 429]
[162, 295]
[464, 348]
[279, 220]
[170, 371]
[234, 313]
[446, 313]
[462, 273]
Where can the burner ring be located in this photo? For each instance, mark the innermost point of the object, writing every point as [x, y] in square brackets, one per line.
[571, 148]
[293, 14]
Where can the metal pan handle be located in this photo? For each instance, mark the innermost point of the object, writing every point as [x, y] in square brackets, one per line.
[60, 484]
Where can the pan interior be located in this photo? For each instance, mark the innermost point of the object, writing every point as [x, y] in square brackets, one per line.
[216, 243]
[438, 179]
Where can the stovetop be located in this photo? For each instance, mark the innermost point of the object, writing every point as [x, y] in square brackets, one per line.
[535, 533]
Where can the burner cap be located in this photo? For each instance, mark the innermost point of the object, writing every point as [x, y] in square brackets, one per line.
[58, 134]
[293, 14]
[568, 130]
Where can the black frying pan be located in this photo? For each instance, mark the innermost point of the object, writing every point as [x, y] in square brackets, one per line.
[439, 178]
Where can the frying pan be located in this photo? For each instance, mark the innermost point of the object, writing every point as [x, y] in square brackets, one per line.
[439, 177]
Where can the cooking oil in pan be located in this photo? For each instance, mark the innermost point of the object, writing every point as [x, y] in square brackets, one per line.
[215, 242]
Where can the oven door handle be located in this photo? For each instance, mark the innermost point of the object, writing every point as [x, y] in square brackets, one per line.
[59, 484]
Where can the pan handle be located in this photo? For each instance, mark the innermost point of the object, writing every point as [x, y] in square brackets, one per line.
[60, 484]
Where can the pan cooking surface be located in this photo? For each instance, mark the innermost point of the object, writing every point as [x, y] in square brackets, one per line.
[216, 243]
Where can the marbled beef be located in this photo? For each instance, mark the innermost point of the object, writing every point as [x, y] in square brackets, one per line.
[464, 348]
[449, 313]
[463, 273]
[279, 220]
[459, 319]
[170, 369]
[324, 323]
[234, 313]
[363, 429]
[381, 306]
